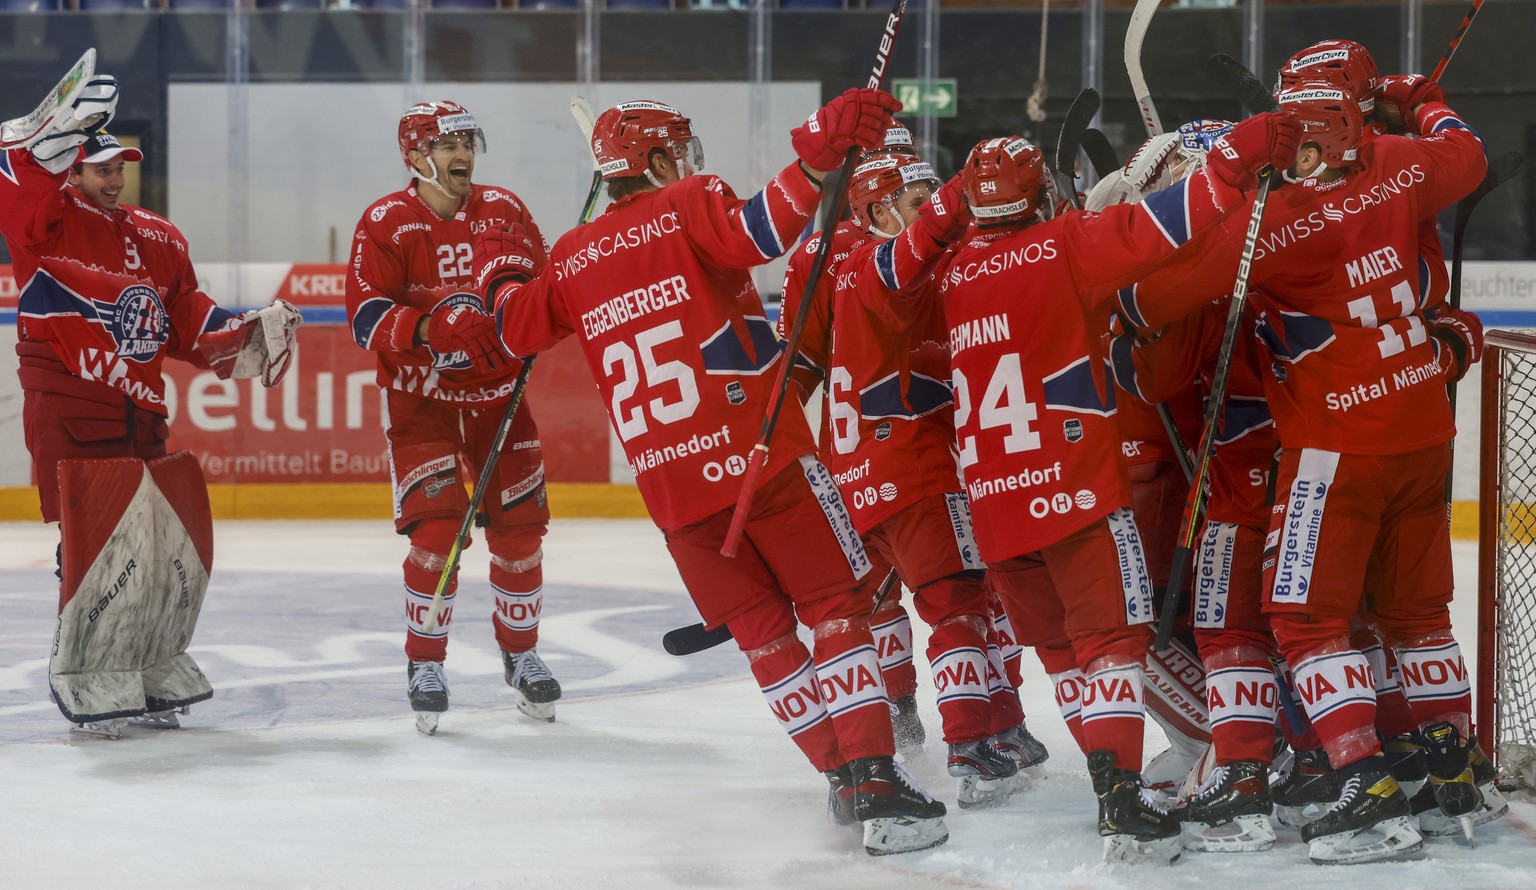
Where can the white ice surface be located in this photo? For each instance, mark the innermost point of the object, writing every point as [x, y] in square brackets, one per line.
[305, 771]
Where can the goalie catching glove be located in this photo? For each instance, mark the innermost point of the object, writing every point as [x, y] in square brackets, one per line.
[58, 147]
[856, 119]
[259, 343]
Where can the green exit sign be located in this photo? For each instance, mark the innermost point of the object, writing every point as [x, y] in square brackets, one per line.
[937, 97]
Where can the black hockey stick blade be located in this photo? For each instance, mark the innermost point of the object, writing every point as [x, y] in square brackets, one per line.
[1100, 153]
[1500, 170]
[1238, 81]
[693, 638]
[1079, 116]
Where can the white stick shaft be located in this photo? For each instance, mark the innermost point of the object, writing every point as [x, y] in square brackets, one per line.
[1141, 20]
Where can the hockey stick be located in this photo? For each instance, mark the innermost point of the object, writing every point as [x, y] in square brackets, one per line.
[21, 132]
[1079, 116]
[1100, 153]
[758, 456]
[696, 638]
[1135, 35]
[1456, 41]
[582, 112]
[1242, 84]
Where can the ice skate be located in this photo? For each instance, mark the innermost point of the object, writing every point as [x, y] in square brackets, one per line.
[840, 796]
[898, 815]
[907, 727]
[166, 719]
[1134, 826]
[1305, 785]
[1370, 822]
[1405, 757]
[1437, 821]
[535, 688]
[428, 691]
[98, 729]
[1230, 812]
[988, 777]
[1026, 750]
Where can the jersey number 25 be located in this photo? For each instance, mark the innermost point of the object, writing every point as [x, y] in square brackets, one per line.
[630, 421]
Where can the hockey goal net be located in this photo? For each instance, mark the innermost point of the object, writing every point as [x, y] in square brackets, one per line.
[1506, 693]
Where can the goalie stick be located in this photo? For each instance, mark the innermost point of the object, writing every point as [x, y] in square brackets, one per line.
[582, 112]
[21, 132]
[758, 456]
[1241, 83]
[697, 638]
[1079, 115]
[1100, 153]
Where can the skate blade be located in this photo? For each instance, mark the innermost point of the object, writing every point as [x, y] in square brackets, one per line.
[426, 722]
[903, 834]
[908, 753]
[1132, 850]
[979, 792]
[106, 730]
[539, 711]
[1035, 771]
[165, 720]
[1244, 834]
[1385, 840]
[1435, 823]
[1299, 817]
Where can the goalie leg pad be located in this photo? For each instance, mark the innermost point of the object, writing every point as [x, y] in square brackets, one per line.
[134, 566]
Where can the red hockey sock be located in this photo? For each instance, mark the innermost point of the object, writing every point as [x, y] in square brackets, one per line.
[519, 601]
[1006, 709]
[892, 630]
[848, 671]
[957, 652]
[1435, 681]
[1005, 639]
[422, 573]
[787, 677]
[1113, 712]
[1393, 716]
[1242, 697]
[1334, 686]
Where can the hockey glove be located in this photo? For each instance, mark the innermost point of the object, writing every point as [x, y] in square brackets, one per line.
[503, 255]
[1397, 95]
[58, 149]
[461, 328]
[1264, 140]
[856, 119]
[946, 216]
[1461, 336]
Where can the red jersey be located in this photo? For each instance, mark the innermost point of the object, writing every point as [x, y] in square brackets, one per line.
[407, 261]
[658, 291]
[815, 339]
[889, 406]
[1338, 293]
[1034, 406]
[111, 291]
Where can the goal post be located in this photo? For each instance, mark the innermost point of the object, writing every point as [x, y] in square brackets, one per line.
[1506, 615]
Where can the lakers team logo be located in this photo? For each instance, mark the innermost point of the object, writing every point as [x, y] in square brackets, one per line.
[138, 323]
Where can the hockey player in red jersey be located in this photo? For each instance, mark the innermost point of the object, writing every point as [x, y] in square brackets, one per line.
[107, 294]
[657, 292]
[1039, 448]
[1357, 392]
[891, 429]
[412, 300]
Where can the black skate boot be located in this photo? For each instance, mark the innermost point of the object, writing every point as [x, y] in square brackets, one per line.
[1461, 793]
[1230, 812]
[986, 774]
[1369, 823]
[1405, 757]
[535, 688]
[898, 815]
[840, 795]
[907, 727]
[1304, 787]
[427, 689]
[1026, 750]
[1134, 827]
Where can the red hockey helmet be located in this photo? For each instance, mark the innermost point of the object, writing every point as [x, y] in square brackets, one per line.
[1343, 63]
[625, 135]
[423, 123]
[881, 177]
[899, 139]
[1004, 179]
[1329, 117]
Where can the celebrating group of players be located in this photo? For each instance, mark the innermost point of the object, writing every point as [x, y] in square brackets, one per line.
[989, 362]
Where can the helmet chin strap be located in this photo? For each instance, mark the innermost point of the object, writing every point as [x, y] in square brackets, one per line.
[433, 180]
